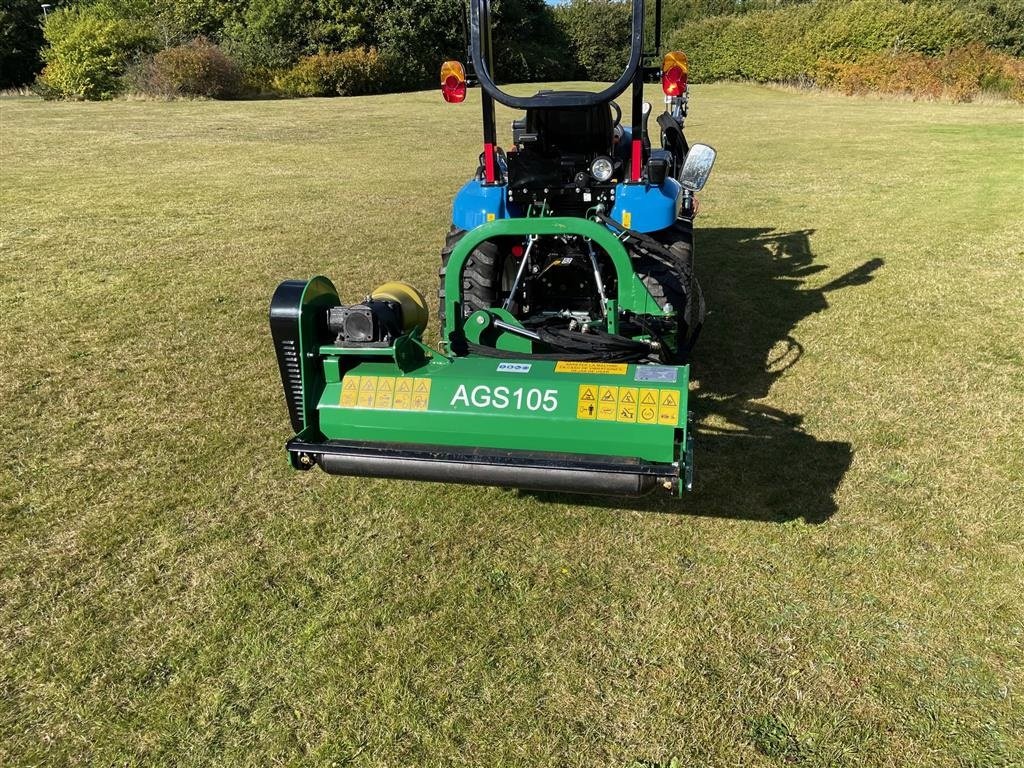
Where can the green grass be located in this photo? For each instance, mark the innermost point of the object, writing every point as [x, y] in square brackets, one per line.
[844, 586]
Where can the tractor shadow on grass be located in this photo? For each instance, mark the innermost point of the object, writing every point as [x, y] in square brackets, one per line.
[754, 461]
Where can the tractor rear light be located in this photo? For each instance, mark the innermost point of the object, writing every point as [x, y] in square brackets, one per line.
[453, 82]
[675, 71]
[518, 251]
[602, 168]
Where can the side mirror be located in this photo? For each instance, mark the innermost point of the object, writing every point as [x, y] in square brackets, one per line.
[697, 167]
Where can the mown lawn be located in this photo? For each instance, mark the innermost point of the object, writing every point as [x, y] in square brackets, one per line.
[844, 587]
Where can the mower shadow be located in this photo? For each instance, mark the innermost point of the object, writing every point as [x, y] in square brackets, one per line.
[753, 461]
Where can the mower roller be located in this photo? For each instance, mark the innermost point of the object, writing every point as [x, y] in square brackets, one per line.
[568, 306]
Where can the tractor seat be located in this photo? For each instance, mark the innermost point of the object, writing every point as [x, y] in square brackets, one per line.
[571, 130]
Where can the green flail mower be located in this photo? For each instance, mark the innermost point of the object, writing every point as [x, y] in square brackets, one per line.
[567, 299]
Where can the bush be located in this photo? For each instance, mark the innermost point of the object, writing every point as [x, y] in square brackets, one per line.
[89, 53]
[848, 30]
[786, 44]
[1006, 25]
[199, 68]
[354, 72]
[960, 75]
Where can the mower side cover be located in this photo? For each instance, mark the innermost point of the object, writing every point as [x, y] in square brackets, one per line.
[406, 411]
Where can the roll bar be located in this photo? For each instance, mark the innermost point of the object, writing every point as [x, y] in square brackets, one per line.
[480, 49]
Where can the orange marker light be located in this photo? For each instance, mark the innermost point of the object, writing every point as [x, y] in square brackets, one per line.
[453, 82]
[675, 70]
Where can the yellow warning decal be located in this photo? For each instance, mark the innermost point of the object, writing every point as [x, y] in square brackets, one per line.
[349, 391]
[607, 402]
[403, 395]
[385, 392]
[420, 394]
[568, 366]
[367, 392]
[586, 403]
[647, 408]
[628, 404]
[668, 407]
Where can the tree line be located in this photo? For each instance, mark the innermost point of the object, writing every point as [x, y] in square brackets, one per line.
[99, 48]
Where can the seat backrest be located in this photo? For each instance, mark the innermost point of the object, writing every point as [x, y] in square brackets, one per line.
[572, 130]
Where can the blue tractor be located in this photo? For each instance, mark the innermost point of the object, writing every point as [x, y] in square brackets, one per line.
[568, 306]
[576, 160]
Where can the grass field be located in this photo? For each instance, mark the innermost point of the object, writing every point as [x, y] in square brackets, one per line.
[844, 587]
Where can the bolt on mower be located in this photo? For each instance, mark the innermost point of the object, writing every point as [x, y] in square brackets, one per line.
[567, 300]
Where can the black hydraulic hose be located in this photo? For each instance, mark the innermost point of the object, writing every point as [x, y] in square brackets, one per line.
[594, 345]
[590, 357]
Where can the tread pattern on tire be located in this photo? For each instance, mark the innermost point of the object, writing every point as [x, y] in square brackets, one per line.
[666, 286]
[480, 276]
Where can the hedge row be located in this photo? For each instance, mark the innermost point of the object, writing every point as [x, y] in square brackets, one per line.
[959, 75]
[927, 49]
[787, 44]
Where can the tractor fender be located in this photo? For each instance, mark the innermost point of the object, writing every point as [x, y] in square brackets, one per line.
[646, 207]
[478, 203]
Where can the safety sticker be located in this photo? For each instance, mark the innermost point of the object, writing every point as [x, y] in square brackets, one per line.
[586, 402]
[628, 404]
[607, 403]
[647, 408]
[668, 407]
[570, 366]
[421, 394]
[385, 392]
[628, 397]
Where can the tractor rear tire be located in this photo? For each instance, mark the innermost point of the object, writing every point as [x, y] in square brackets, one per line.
[480, 276]
[679, 289]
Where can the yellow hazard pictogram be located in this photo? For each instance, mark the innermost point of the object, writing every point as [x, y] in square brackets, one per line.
[647, 411]
[367, 392]
[420, 395]
[668, 407]
[607, 402]
[401, 400]
[586, 402]
[628, 397]
[385, 392]
[349, 391]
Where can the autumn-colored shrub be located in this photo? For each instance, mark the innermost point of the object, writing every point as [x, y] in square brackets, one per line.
[354, 72]
[785, 44]
[960, 75]
[199, 68]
